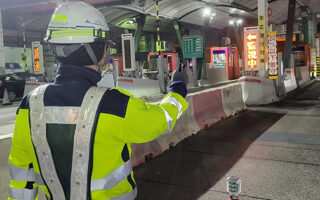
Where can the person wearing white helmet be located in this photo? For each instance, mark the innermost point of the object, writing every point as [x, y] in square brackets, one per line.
[72, 139]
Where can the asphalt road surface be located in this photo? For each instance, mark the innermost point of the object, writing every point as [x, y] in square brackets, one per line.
[274, 149]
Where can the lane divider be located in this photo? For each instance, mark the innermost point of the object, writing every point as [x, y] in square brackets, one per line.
[205, 109]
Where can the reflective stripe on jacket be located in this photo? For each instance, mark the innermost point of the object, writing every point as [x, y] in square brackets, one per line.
[97, 165]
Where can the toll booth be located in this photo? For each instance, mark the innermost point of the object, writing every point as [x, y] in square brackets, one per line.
[301, 60]
[224, 59]
[171, 58]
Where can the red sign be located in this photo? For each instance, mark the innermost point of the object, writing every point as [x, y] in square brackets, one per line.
[252, 50]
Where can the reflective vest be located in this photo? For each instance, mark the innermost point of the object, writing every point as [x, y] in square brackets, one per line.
[99, 134]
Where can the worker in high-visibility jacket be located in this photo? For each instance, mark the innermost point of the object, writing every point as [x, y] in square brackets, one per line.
[71, 138]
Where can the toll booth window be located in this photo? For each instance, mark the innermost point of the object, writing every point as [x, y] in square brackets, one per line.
[299, 56]
[219, 59]
[127, 48]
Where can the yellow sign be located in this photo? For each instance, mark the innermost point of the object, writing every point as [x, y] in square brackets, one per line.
[161, 45]
[36, 59]
[261, 26]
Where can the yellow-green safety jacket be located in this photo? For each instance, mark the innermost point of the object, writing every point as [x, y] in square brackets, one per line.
[83, 152]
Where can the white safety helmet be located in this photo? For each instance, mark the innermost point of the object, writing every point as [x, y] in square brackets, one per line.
[76, 22]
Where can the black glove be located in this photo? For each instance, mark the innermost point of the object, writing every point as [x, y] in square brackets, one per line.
[180, 74]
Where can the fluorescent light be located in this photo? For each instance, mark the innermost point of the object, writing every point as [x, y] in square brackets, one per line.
[206, 12]
[239, 21]
[231, 22]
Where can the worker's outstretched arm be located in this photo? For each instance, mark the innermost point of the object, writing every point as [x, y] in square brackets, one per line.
[22, 185]
[144, 121]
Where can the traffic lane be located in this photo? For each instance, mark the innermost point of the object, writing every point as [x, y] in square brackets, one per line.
[194, 165]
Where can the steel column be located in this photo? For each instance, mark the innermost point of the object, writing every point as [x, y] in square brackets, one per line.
[263, 29]
[305, 26]
[140, 23]
[2, 57]
[289, 34]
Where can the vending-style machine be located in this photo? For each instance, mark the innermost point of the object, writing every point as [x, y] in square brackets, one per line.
[225, 58]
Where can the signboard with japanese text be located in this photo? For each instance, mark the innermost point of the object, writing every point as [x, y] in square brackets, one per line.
[37, 58]
[251, 49]
[193, 47]
[261, 25]
[273, 62]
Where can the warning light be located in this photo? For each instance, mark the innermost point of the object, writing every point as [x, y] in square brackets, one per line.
[252, 50]
[36, 59]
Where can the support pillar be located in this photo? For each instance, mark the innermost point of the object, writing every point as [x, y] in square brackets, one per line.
[237, 34]
[305, 24]
[263, 29]
[179, 36]
[140, 23]
[2, 57]
[289, 34]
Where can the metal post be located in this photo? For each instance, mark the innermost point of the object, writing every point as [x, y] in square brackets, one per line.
[161, 75]
[158, 25]
[24, 47]
[263, 26]
[140, 23]
[305, 27]
[2, 57]
[195, 72]
[237, 34]
[115, 71]
[289, 34]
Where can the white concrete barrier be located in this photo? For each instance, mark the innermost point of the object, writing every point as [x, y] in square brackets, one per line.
[139, 87]
[232, 99]
[290, 82]
[302, 75]
[5, 145]
[31, 85]
[257, 90]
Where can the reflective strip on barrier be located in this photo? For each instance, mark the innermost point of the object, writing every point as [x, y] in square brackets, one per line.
[23, 194]
[128, 196]
[174, 102]
[169, 121]
[113, 178]
[21, 174]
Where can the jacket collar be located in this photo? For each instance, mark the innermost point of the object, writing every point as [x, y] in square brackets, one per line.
[71, 73]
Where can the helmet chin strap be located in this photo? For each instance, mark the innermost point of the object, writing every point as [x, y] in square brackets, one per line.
[94, 57]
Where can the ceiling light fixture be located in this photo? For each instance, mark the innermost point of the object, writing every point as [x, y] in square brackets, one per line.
[206, 12]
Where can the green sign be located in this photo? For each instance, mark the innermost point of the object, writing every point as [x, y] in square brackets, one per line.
[193, 47]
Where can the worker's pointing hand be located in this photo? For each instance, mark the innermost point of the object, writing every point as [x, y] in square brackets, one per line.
[180, 74]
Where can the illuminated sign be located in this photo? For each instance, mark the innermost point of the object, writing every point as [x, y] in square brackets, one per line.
[36, 59]
[252, 50]
[273, 66]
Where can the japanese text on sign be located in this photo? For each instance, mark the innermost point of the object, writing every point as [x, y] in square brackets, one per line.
[273, 67]
[36, 59]
[252, 50]
[261, 25]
